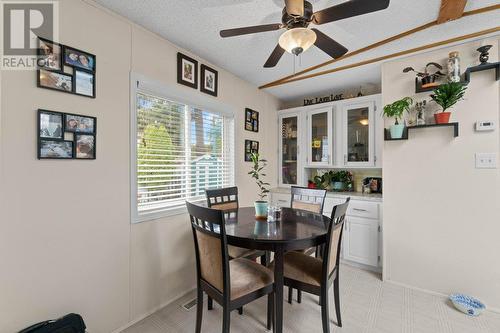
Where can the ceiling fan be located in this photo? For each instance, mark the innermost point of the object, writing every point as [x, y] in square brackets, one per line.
[298, 37]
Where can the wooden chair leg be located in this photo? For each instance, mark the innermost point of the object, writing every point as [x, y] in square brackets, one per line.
[199, 310]
[325, 314]
[226, 319]
[270, 311]
[290, 294]
[336, 296]
[210, 303]
[299, 296]
[240, 311]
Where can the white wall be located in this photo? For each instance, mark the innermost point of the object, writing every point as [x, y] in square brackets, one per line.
[66, 242]
[441, 215]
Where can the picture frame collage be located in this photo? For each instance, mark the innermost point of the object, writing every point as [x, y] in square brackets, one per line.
[54, 60]
[251, 120]
[66, 136]
[251, 147]
[187, 74]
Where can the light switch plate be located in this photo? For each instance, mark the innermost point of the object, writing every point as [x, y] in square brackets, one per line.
[486, 161]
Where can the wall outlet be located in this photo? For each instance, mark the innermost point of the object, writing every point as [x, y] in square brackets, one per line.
[486, 160]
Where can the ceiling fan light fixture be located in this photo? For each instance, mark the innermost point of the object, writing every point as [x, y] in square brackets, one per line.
[297, 40]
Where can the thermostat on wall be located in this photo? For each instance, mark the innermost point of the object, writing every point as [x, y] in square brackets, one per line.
[485, 126]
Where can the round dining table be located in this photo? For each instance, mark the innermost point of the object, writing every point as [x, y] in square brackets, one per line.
[295, 230]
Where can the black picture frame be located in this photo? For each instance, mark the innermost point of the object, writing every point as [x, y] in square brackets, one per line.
[180, 71]
[78, 64]
[39, 124]
[251, 120]
[203, 87]
[251, 146]
[41, 143]
[41, 63]
[77, 131]
[75, 146]
[76, 72]
[43, 73]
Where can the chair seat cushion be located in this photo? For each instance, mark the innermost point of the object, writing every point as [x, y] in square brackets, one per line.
[303, 268]
[239, 252]
[248, 276]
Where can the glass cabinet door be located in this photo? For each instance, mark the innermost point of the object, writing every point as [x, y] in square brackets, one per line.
[289, 146]
[359, 137]
[320, 137]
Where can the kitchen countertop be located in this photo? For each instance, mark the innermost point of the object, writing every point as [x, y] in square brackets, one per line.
[376, 197]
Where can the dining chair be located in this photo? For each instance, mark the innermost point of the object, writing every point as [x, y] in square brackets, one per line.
[231, 283]
[315, 275]
[312, 200]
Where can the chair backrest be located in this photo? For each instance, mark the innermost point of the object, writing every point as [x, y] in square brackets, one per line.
[223, 198]
[308, 199]
[331, 255]
[209, 233]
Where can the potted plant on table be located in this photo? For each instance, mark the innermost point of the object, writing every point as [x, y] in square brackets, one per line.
[396, 111]
[256, 173]
[446, 96]
[342, 180]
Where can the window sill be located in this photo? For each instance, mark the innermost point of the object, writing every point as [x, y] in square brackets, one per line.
[160, 214]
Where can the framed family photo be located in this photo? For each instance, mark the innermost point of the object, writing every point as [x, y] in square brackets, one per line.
[55, 81]
[250, 148]
[84, 83]
[50, 125]
[187, 71]
[55, 149]
[79, 124]
[85, 146]
[79, 59]
[251, 120]
[209, 80]
[49, 55]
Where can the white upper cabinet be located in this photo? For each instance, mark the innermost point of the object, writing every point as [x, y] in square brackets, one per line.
[290, 142]
[358, 127]
[320, 142]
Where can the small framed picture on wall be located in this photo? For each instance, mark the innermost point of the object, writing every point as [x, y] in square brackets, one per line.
[49, 55]
[187, 71]
[209, 80]
[251, 147]
[251, 120]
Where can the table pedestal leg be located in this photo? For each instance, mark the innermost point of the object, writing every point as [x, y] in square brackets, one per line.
[278, 280]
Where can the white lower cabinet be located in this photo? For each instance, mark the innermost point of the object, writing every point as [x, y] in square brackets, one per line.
[360, 239]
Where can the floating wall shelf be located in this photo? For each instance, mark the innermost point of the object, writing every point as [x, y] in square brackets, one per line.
[483, 67]
[387, 133]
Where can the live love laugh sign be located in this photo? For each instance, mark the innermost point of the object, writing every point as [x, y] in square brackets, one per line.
[325, 99]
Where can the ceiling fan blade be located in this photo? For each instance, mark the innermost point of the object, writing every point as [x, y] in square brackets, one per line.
[275, 57]
[349, 9]
[249, 30]
[295, 7]
[328, 45]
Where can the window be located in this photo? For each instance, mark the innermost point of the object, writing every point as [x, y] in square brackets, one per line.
[181, 150]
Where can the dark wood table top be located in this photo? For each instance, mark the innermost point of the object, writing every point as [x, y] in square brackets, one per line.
[296, 230]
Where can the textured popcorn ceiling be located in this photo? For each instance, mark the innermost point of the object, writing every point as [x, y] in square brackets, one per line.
[194, 25]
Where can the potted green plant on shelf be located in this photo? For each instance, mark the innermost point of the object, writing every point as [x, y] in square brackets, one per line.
[396, 111]
[334, 180]
[446, 96]
[257, 174]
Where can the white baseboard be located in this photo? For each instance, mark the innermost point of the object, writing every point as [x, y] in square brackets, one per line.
[435, 293]
[155, 309]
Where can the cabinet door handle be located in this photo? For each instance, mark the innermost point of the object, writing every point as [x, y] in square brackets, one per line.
[282, 201]
[359, 210]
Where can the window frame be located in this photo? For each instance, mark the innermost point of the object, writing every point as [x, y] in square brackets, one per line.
[193, 99]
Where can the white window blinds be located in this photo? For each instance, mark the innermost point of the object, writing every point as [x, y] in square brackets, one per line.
[181, 151]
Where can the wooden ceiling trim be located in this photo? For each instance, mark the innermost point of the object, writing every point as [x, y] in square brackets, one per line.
[451, 10]
[286, 79]
[393, 55]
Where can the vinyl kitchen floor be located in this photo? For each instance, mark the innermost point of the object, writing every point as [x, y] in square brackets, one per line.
[368, 306]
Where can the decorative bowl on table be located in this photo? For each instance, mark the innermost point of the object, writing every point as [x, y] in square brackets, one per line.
[468, 305]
